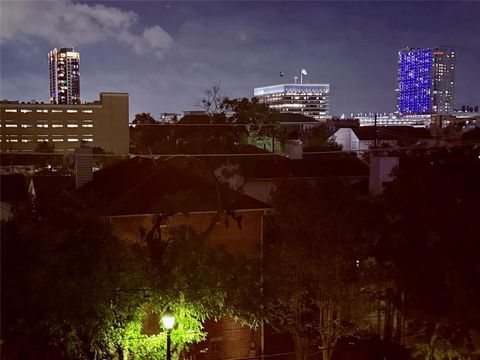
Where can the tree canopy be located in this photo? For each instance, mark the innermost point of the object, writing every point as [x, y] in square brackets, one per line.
[76, 291]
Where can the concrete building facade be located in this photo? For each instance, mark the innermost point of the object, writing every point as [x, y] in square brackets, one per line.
[102, 123]
[306, 99]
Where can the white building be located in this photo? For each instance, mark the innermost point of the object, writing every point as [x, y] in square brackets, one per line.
[306, 99]
[361, 138]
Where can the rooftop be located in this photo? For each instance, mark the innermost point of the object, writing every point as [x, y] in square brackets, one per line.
[311, 166]
[292, 88]
[141, 186]
[33, 102]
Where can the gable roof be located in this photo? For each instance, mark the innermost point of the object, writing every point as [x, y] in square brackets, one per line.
[294, 117]
[311, 166]
[46, 187]
[195, 119]
[145, 186]
[390, 132]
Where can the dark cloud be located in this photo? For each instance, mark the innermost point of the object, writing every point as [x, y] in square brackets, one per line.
[166, 54]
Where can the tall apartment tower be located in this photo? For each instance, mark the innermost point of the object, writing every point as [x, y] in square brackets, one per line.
[64, 76]
[426, 81]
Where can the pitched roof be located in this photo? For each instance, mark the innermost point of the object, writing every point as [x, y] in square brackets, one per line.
[46, 187]
[145, 186]
[311, 166]
[390, 132]
[195, 119]
[294, 117]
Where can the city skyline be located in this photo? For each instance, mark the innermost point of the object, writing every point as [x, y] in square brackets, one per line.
[166, 54]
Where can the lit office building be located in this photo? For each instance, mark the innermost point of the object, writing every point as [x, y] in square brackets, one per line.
[306, 99]
[102, 123]
[426, 81]
[64, 76]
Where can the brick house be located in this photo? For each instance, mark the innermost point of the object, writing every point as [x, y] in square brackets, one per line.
[129, 194]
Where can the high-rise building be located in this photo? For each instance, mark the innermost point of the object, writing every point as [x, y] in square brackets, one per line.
[306, 99]
[426, 81]
[64, 76]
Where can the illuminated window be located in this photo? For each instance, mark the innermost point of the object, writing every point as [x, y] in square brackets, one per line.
[26, 125]
[11, 125]
[87, 111]
[57, 125]
[72, 125]
[72, 139]
[42, 110]
[57, 111]
[10, 110]
[72, 111]
[25, 110]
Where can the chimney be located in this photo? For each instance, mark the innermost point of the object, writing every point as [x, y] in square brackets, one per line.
[294, 149]
[381, 168]
[83, 166]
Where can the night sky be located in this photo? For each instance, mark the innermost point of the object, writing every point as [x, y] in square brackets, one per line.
[165, 54]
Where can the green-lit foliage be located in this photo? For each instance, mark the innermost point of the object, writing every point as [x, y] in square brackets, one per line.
[137, 345]
[75, 289]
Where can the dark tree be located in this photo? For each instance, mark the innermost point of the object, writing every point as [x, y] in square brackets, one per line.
[317, 242]
[432, 241]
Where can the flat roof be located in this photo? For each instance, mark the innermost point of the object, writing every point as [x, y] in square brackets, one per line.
[95, 102]
[282, 88]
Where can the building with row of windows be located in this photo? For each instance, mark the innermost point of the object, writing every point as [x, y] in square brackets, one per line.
[306, 99]
[102, 123]
[64, 70]
[426, 81]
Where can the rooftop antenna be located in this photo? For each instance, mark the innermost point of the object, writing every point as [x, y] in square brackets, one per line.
[302, 73]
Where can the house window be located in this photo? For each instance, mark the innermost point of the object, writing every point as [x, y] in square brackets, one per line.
[215, 343]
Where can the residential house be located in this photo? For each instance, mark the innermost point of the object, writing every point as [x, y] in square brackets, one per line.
[266, 174]
[129, 194]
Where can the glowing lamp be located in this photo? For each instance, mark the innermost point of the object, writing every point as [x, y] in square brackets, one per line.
[168, 320]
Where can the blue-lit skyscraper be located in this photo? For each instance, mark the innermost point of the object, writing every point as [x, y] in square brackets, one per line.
[426, 81]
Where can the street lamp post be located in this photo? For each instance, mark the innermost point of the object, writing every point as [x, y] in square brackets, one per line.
[168, 320]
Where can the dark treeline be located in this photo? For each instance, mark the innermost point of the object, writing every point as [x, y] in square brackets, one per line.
[345, 274]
